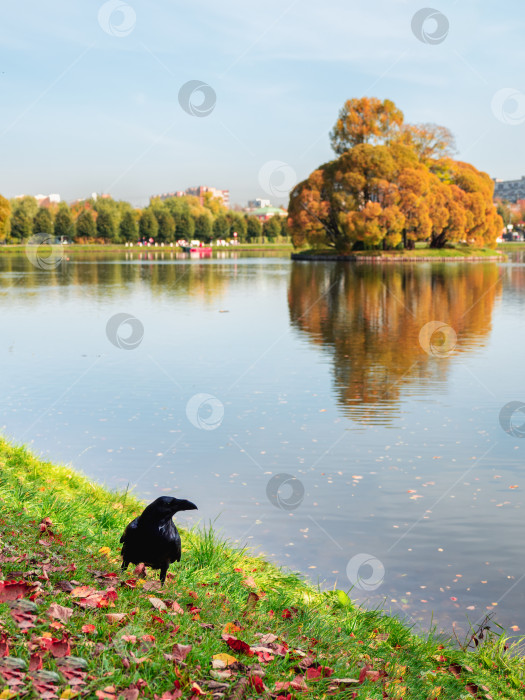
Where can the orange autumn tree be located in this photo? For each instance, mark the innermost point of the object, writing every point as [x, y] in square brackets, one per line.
[392, 184]
[365, 120]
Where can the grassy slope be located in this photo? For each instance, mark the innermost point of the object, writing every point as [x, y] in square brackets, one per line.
[86, 525]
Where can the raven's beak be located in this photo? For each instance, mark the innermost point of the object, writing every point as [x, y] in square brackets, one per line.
[186, 505]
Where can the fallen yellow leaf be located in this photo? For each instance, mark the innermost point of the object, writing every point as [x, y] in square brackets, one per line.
[7, 694]
[224, 660]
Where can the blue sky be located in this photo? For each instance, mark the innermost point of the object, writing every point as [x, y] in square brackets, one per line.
[89, 97]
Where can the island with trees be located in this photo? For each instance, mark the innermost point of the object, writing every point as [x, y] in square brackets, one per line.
[392, 186]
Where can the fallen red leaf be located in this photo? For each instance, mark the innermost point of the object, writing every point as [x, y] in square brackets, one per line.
[44, 524]
[12, 590]
[35, 662]
[110, 593]
[299, 683]
[319, 672]
[25, 620]
[237, 644]
[257, 683]
[60, 648]
[175, 607]
[4, 645]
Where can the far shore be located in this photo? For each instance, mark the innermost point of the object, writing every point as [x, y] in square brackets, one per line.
[419, 254]
[167, 247]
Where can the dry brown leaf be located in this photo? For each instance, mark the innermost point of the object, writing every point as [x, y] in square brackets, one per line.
[60, 612]
[115, 617]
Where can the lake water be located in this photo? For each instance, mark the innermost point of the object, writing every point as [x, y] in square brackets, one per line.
[300, 405]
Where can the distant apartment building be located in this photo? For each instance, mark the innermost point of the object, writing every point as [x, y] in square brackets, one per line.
[265, 213]
[43, 200]
[512, 190]
[199, 192]
[258, 203]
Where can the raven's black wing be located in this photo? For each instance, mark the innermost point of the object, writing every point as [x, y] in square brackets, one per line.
[176, 546]
[129, 530]
[171, 541]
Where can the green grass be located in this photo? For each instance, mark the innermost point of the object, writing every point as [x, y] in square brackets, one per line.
[128, 658]
[511, 246]
[418, 252]
[113, 247]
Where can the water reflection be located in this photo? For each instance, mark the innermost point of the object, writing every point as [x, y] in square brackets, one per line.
[369, 318]
[169, 273]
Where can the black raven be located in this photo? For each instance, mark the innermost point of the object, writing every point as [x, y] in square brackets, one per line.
[152, 538]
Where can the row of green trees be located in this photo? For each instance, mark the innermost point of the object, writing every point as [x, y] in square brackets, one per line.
[109, 221]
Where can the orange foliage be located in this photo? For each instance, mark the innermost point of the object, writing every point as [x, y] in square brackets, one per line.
[371, 324]
[392, 183]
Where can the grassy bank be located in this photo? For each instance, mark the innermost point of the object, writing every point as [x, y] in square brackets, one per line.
[113, 248]
[460, 252]
[226, 625]
[511, 246]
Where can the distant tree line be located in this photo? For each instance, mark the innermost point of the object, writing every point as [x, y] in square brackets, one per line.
[392, 184]
[105, 220]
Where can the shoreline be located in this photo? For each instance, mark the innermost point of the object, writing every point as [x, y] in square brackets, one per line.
[59, 536]
[121, 248]
[366, 257]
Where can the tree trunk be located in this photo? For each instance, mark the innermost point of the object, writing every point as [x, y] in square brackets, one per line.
[438, 241]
